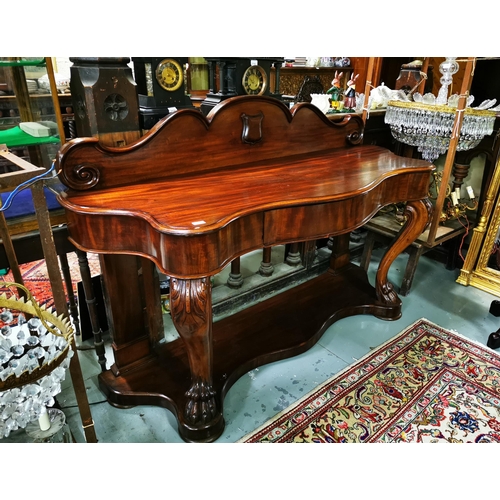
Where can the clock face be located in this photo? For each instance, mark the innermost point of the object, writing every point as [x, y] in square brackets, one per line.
[254, 80]
[169, 74]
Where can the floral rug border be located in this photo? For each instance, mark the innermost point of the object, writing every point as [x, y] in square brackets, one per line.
[304, 411]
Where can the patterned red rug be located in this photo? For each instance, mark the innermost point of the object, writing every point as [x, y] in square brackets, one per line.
[36, 277]
[427, 384]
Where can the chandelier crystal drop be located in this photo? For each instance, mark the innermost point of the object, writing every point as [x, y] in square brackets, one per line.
[34, 357]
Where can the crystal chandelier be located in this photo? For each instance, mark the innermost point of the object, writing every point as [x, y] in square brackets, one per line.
[35, 352]
[427, 122]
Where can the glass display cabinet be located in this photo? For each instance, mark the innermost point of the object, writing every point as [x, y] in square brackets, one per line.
[31, 132]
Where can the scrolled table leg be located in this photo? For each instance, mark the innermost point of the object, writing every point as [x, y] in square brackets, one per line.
[418, 215]
[191, 311]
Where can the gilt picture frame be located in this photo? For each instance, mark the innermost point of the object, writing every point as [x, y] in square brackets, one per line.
[481, 267]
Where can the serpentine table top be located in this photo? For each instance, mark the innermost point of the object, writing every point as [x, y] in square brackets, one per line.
[195, 193]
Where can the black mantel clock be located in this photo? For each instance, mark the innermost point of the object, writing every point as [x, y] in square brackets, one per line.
[161, 87]
[231, 76]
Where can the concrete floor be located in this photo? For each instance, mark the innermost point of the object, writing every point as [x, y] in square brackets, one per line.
[140, 467]
[263, 392]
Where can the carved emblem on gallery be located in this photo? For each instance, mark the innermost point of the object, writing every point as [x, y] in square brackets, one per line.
[252, 128]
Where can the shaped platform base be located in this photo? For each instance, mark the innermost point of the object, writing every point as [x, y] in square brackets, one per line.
[278, 328]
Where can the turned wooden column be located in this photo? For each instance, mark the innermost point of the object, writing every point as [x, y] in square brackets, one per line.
[73, 307]
[266, 268]
[235, 280]
[92, 307]
[294, 258]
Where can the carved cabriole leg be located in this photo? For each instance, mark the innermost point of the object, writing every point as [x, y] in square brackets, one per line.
[418, 217]
[191, 311]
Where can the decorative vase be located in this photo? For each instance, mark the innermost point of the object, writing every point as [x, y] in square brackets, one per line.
[321, 101]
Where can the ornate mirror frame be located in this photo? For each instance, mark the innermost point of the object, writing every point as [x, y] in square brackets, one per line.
[484, 244]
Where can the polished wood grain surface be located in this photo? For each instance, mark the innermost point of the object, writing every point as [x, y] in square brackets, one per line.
[203, 178]
[218, 197]
[195, 193]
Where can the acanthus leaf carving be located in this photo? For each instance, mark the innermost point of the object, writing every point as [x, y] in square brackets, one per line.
[191, 309]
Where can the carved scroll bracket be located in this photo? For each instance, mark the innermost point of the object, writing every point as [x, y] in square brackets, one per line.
[80, 177]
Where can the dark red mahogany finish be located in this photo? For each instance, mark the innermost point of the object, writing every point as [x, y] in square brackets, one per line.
[196, 192]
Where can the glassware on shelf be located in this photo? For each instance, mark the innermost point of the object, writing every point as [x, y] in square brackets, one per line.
[321, 101]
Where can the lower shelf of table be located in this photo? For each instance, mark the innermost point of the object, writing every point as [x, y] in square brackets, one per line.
[281, 327]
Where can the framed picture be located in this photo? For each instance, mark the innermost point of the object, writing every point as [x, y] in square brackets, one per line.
[482, 263]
